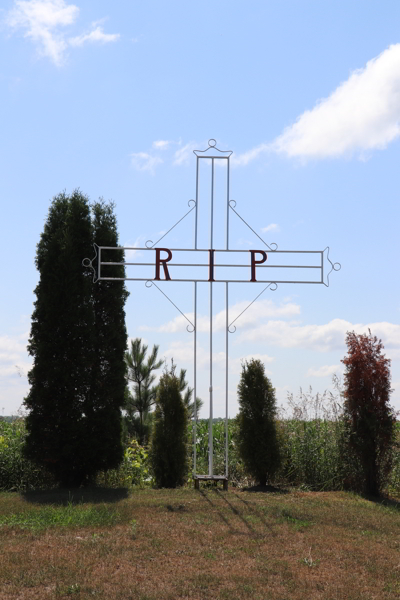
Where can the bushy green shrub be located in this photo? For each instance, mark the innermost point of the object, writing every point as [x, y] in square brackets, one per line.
[169, 443]
[133, 471]
[16, 472]
[257, 435]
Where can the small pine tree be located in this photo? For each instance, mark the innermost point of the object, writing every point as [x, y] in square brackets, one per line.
[368, 416]
[169, 452]
[141, 373]
[257, 434]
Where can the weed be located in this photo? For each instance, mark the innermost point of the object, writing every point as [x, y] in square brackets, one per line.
[133, 528]
[309, 561]
[75, 588]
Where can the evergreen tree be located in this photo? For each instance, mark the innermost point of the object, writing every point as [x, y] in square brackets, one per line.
[169, 452]
[77, 341]
[141, 374]
[187, 396]
[257, 435]
[369, 418]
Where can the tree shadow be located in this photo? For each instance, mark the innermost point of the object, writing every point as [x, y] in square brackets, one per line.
[383, 501]
[266, 489]
[63, 497]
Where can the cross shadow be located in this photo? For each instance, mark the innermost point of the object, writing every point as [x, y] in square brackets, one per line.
[221, 516]
[63, 497]
[237, 512]
[256, 512]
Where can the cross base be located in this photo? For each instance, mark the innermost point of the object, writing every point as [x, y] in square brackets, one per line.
[198, 478]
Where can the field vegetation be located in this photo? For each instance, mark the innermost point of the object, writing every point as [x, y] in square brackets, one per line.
[314, 458]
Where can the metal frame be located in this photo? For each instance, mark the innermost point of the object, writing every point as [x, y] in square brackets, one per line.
[211, 153]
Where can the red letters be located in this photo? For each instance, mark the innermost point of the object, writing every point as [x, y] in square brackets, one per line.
[162, 261]
[255, 262]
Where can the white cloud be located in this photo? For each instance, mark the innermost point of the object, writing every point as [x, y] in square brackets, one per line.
[184, 154]
[242, 160]
[235, 364]
[271, 227]
[182, 352]
[43, 21]
[323, 338]
[97, 35]
[142, 161]
[324, 371]
[12, 347]
[162, 144]
[360, 115]
[14, 366]
[261, 309]
[138, 243]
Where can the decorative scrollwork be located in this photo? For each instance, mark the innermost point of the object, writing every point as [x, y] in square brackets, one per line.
[232, 205]
[334, 266]
[87, 262]
[212, 143]
[272, 286]
[150, 244]
[190, 328]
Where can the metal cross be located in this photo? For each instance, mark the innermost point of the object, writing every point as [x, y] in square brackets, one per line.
[254, 266]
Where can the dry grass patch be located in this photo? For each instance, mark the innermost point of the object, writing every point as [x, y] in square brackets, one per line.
[169, 544]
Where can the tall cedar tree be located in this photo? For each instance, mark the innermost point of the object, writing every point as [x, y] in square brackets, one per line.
[169, 456]
[257, 436]
[77, 341]
[369, 417]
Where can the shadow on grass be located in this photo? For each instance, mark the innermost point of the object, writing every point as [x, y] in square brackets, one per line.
[266, 489]
[219, 513]
[389, 502]
[241, 516]
[89, 495]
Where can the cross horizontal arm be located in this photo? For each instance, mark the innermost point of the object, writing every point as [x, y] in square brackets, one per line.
[205, 280]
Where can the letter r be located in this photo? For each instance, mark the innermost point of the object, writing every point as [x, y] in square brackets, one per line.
[162, 261]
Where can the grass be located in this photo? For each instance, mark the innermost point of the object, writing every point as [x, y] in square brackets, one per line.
[168, 544]
[62, 516]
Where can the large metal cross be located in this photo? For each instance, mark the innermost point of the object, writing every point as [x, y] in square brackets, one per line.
[266, 265]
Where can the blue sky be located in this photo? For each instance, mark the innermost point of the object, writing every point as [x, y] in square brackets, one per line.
[112, 98]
